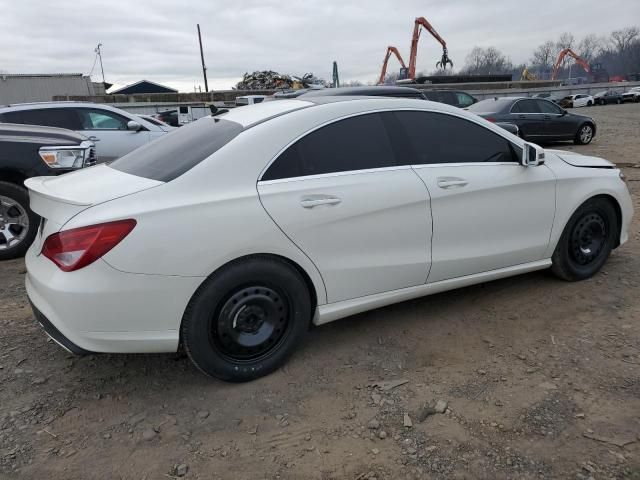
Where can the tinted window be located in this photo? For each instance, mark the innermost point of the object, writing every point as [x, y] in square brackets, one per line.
[101, 120]
[356, 143]
[525, 106]
[442, 138]
[50, 117]
[464, 100]
[548, 107]
[491, 105]
[177, 152]
[258, 100]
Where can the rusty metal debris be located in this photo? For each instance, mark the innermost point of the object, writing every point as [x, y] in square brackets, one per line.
[270, 80]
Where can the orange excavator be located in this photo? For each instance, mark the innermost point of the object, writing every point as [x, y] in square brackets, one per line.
[390, 50]
[579, 60]
[419, 23]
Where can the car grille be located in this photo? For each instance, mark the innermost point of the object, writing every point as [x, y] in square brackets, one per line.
[92, 158]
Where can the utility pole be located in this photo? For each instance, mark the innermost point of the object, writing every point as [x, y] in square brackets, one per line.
[99, 53]
[204, 68]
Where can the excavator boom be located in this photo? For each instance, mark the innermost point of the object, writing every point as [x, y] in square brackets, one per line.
[579, 60]
[390, 50]
[444, 60]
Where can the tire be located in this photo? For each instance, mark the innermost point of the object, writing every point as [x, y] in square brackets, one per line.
[589, 103]
[18, 224]
[246, 319]
[584, 135]
[586, 242]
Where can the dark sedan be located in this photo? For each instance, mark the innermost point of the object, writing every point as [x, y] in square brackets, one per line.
[606, 97]
[539, 120]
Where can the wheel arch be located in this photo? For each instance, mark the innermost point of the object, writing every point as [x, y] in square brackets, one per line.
[12, 176]
[311, 287]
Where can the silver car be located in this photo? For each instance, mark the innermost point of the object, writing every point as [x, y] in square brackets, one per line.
[114, 131]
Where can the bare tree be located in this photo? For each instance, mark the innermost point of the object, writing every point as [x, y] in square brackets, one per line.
[566, 40]
[623, 39]
[486, 61]
[544, 55]
[589, 47]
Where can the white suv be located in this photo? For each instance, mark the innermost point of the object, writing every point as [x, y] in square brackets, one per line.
[114, 131]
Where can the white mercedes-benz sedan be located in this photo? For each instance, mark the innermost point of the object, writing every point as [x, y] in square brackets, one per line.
[233, 235]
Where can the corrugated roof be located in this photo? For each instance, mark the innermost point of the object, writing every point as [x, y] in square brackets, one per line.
[41, 75]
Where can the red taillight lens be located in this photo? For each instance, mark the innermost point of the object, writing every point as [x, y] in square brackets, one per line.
[491, 119]
[76, 248]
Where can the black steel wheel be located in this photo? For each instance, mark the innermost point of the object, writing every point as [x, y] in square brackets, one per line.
[247, 318]
[253, 321]
[587, 240]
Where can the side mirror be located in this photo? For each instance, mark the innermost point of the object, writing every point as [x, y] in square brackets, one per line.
[135, 126]
[532, 155]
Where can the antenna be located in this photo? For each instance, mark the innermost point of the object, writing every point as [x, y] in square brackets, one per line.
[99, 53]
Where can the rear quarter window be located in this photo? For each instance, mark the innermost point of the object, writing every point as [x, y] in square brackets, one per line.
[177, 152]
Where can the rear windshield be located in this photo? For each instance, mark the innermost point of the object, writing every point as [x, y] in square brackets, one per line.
[179, 151]
[491, 105]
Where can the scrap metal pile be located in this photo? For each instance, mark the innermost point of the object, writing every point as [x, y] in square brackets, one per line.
[269, 80]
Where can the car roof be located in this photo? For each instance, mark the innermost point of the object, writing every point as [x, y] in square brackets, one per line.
[362, 91]
[64, 104]
[251, 115]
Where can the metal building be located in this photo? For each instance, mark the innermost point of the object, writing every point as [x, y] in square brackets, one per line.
[21, 88]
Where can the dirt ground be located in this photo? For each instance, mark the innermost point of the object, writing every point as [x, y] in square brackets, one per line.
[541, 379]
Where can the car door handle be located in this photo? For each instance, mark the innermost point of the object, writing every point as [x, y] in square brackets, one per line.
[93, 138]
[451, 182]
[547, 117]
[310, 202]
[522, 116]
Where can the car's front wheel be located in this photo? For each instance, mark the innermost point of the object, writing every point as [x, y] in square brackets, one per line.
[246, 319]
[589, 103]
[584, 134]
[587, 241]
[18, 224]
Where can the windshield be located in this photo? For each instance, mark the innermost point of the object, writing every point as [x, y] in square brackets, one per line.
[491, 105]
[179, 151]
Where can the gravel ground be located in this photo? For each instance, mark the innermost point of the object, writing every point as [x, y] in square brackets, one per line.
[537, 378]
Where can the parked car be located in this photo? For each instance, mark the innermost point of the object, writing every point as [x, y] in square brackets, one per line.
[170, 117]
[30, 151]
[114, 131]
[575, 101]
[339, 207]
[450, 97]
[376, 91]
[606, 97]
[632, 95]
[538, 119]
[552, 97]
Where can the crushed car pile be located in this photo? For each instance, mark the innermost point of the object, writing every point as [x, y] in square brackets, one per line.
[270, 80]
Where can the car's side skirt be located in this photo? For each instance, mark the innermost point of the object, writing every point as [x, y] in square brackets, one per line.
[335, 311]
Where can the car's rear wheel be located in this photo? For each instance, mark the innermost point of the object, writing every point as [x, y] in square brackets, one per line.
[584, 134]
[589, 103]
[618, 101]
[587, 241]
[18, 224]
[246, 319]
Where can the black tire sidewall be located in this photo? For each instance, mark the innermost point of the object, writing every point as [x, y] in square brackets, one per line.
[199, 316]
[578, 139]
[20, 195]
[562, 255]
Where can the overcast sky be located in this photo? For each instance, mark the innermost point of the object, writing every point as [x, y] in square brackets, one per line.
[157, 40]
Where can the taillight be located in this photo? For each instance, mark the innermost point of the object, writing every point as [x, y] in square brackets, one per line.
[490, 119]
[76, 248]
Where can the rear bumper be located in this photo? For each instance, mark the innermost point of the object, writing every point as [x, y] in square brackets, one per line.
[100, 309]
[56, 335]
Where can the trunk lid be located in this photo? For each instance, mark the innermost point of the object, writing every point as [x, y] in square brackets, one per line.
[57, 199]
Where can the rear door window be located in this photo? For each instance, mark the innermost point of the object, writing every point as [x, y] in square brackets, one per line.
[356, 143]
[525, 106]
[173, 154]
[49, 117]
[548, 107]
